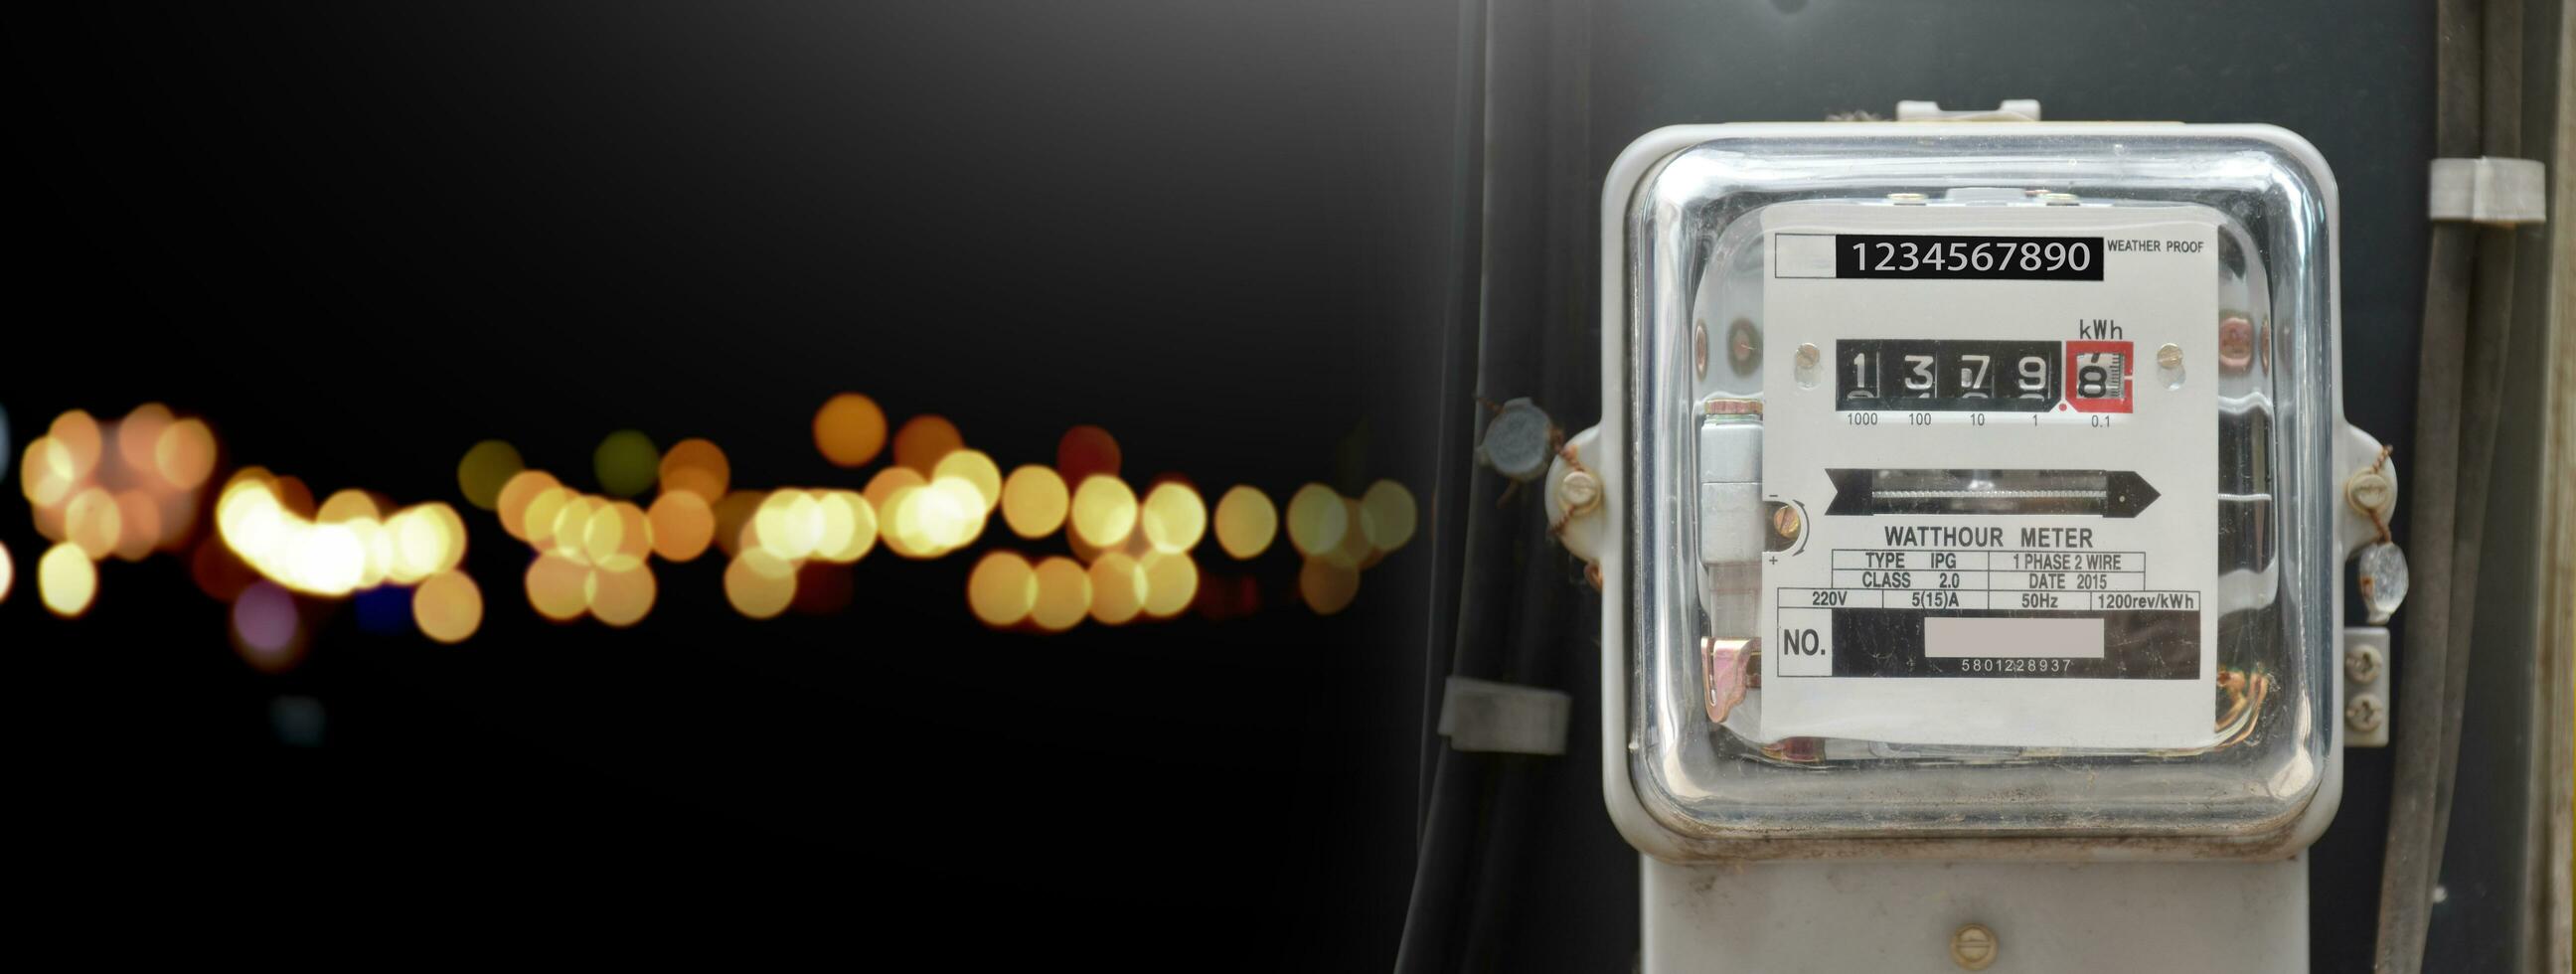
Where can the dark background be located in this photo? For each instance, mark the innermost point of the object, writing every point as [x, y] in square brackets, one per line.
[360, 237]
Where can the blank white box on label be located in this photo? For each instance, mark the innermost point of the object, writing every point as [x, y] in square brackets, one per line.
[1947, 637]
[1802, 255]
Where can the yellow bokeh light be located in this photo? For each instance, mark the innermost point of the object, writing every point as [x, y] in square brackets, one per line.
[620, 598]
[185, 453]
[486, 468]
[1390, 515]
[759, 584]
[789, 525]
[1327, 587]
[79, 434]
[571, 532]
[94, 523]
[683, 525]
[618, 538]
[447, 607]
[975, 468]
[66, 580]
[696, 466]
[923, 441]
[1117, 588]
[8, 572]
[1317, 519]
[345, 506]
[880, 489]
[1173, 518]
[1064, 594]
[1171, 581]
[138, 437]
[1246, 522]
[849, 429]
[543, 510]
[901, 528]
[517, 496]
[1034, 501]
[46, 472]
[1104, 511]
[1002, 589]
[139, 517]
[556, 587]
[849, 526]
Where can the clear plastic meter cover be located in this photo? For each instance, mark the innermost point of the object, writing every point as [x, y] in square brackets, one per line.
[1979, 483]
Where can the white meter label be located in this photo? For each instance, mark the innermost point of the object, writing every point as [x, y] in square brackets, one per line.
[1999, 428]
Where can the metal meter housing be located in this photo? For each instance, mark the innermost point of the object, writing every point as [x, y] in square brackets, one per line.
[1973, 491]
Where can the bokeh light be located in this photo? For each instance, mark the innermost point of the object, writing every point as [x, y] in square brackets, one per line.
[1246, 522]
[1171, 581]
[626, 463]
[555, 587]
[66, 580]
[1353, 546]
[1117, 588]
[267, 628]
[1034, 501]
[789, 525]
[138, 514]
[881, 488]
[79, 435]
[1317, 520]
[185, 454]
[619, 538]
[8, 566]
[698, 467]
[1064, 594]
[47, 473]
[758, 584]
[1104, 511]
[1172, 517]
[543, 511]
[1389, 515]
[923, 441]
[1002, 590]
[1327, 586]
[683, 524]
[849, 429]
[486, 468]
[1086, 451]
[976, 468]
[849, 526]
[517, 494]
[93, 522]
[734, 515]
[620, 598]
[447, 607]
[138, 437]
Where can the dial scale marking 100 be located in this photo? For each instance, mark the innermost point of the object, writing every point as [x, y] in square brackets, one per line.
[2011, 504]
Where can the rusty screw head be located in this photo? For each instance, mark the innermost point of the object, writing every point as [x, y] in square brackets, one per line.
[2365, 713]
[1973, 947]
[2370, 491]
[1580, 491]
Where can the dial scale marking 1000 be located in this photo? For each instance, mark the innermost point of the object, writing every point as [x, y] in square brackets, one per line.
[2000, 426]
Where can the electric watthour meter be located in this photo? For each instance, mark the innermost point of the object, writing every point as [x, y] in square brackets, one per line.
[1975, 493]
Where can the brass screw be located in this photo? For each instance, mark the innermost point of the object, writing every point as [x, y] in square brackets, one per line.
[1785, 522]
[1973, 948]
[2169, 356]
[1580, 491]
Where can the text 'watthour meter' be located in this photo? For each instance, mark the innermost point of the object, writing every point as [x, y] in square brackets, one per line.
[1974, 492]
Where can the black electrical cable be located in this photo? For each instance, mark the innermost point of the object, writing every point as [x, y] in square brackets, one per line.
[2407, 868]
[2490, 341]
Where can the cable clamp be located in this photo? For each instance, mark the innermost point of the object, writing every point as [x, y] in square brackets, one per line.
[1482, 715]
[2490, 190]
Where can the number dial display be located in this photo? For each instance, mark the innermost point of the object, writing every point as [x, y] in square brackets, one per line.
[1935, 375]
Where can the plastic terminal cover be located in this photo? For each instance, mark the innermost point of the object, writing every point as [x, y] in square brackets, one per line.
[2030, 536]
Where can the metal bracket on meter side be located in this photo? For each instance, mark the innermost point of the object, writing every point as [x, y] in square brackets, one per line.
[2489, 190]
[2365, 686]
[1482, 715]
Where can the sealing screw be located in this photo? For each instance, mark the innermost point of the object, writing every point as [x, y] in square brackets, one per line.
[2365, 713]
